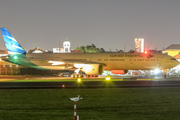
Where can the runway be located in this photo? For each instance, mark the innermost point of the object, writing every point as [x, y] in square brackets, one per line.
[25, 82]
[87, 84]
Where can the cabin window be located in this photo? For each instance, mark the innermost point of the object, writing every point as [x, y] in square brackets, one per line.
[152, 59]
[116, 59]
[113, 59]
[105, 59]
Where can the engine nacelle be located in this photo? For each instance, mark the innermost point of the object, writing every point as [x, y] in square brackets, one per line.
[119, 71]
[93, 69]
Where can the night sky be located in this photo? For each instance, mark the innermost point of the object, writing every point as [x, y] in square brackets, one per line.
[109, 24]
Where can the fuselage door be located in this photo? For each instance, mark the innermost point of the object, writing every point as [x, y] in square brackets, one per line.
[131, 63]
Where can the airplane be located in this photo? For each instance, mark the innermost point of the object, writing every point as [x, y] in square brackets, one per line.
[93, 64]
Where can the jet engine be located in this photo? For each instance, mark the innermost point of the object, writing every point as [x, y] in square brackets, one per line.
[93, 69]
[90, 69]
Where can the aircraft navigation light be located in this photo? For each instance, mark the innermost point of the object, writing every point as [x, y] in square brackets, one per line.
[107, 78]
[15, 57]
[145, 52]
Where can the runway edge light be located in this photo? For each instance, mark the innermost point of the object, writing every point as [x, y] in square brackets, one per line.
[79, 79]
[108, 78]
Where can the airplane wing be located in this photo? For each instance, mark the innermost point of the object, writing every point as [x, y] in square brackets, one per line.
[67, 61]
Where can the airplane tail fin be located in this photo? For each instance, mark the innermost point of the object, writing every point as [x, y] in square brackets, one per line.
[13, 47]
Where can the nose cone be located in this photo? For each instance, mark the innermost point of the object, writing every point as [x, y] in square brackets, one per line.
[176, 63]
[172, 64]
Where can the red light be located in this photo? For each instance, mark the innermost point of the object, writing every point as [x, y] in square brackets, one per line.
[145, 52]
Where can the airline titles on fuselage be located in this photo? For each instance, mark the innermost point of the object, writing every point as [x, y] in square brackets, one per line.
[130, 55]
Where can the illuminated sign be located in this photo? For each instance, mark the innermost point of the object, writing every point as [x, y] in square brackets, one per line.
[131, 55]
[139, 45]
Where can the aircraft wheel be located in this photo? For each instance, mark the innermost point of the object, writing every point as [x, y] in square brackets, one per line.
[82, 75]
[96, 75]
[73, 76]
[79, 75]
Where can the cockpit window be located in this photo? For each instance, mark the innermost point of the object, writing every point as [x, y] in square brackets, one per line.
[172, 59]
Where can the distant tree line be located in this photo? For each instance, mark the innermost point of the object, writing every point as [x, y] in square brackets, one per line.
[90, 49]
[93, 49]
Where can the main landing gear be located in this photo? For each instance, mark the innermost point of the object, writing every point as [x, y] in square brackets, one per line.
[91, 76]
[77, 75]
[82, 75]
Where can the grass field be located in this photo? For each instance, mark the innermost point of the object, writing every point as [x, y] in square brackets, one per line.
[97, 104]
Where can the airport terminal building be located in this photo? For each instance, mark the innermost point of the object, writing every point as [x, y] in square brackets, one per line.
[172, 50]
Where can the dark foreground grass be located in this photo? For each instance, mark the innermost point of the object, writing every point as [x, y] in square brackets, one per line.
[97, 104]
